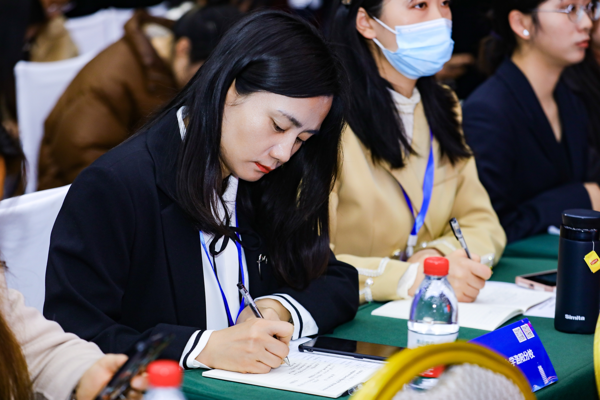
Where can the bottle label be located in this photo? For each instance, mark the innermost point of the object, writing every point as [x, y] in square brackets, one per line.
[416, 339]
[593, 261]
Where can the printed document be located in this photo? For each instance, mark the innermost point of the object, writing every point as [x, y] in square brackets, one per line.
[497, 303]
[310, 373]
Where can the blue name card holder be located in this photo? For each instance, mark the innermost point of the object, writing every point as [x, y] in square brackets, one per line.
[521, 345]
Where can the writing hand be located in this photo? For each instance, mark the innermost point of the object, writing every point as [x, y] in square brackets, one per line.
[248, 347]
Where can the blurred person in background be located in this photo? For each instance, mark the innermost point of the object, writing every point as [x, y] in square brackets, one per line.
[12, 163]
[38, 360]
[28, 31]
[116, 91]
[471, 24]
[584, 80]
[528, 131]
[404, 136]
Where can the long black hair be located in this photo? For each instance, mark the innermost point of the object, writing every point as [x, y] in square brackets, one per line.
[11, 151]
[584, 79]
[372, 113]
[274, 52]
[503, 41]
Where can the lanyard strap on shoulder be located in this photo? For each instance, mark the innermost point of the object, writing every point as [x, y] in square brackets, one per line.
[427, 193]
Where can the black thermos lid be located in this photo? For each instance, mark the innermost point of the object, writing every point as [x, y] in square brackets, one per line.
[581, 219]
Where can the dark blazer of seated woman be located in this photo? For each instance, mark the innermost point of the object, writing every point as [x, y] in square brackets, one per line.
[530, 176]
[126, 260]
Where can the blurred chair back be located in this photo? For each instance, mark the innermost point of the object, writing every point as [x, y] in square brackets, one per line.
[93, 33]
[25, 226]
[482, 374]
[39, 86]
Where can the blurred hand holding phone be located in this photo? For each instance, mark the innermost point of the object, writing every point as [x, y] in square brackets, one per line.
[146, 352]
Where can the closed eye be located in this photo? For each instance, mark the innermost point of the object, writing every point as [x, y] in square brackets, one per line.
[277, 128]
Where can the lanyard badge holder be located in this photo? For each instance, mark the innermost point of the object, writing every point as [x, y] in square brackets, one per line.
[420, 218]
[230, 319]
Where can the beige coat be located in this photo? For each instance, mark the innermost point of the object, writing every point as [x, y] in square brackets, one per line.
[370, 219]
[56, 359]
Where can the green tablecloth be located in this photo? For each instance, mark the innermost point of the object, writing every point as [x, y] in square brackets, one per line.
[571, 354]
[541, 246]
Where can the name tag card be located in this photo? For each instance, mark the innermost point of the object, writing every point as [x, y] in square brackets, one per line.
[520, 344]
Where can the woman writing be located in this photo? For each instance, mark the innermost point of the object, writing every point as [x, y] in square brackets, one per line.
[406, 169]
[229, 184]
[526, 128]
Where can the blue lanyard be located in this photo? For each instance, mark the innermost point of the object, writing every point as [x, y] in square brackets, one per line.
[239, 250]
[427, 192]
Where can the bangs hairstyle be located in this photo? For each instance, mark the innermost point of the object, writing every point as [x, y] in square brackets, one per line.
[273, 52]
[372, 113]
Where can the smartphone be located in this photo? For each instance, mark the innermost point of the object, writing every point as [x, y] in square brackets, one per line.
[145, 352]
[350, 348]
[542, 281]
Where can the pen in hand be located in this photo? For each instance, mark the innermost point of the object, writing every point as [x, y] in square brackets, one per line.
[459, 236]
[254, 308]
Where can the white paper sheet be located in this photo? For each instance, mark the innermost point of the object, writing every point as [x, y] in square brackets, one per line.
[309, 373]
[497, 302]
[544, 310]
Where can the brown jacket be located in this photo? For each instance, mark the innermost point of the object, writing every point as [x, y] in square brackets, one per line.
[56, 360]
[370, 220]
[109, 98]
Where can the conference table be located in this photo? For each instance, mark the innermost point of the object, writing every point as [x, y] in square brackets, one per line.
[571, 354]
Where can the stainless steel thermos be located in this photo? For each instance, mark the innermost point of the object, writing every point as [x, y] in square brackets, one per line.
[577, 287]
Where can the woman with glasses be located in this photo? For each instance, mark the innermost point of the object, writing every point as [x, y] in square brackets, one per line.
[527, 129]
[406, 170]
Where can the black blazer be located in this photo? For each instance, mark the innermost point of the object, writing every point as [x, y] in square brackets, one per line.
[125, 262]
[530, 177]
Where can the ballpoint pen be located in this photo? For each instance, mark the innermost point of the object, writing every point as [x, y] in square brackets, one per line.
[255, 309]
[459, 236]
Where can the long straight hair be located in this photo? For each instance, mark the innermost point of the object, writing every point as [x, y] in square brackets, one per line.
[274, 52]
[584, 79]
[14, 374]
[372, 113]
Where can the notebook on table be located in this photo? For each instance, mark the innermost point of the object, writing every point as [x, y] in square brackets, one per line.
[497, 303]
[309, 373]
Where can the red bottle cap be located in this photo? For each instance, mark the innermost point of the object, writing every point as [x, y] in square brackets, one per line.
[164, 373]
[437, 266]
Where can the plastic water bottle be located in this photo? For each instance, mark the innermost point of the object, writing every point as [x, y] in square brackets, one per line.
[433, 316]
[164, 377]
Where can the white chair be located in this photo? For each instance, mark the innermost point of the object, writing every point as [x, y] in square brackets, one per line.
[39, 86]
[25, 226]
[93, 33]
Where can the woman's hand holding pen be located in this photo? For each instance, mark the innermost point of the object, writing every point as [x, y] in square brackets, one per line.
[466, 276]
[269, 308]
[249, 346]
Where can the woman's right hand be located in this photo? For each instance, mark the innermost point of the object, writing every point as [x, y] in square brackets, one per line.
[466, 276]
[594, 192]
[248, 347]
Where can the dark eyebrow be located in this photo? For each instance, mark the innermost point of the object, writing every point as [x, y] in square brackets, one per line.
[296, 123]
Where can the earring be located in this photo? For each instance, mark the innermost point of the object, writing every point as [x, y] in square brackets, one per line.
[526, 32]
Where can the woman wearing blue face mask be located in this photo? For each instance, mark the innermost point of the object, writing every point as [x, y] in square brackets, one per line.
[406, 169]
